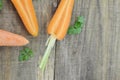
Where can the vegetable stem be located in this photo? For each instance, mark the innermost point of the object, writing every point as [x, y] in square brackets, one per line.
[50, 44]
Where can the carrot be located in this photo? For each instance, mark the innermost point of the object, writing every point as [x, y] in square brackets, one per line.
[57, 17]
[10, 39]
[26, 12]
[58, 27]
[63, 27]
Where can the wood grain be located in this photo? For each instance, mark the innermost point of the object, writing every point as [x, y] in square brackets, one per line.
[10, 67]
[92, 55]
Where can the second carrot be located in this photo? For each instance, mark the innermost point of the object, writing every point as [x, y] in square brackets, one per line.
[57, 28]
[26, 11]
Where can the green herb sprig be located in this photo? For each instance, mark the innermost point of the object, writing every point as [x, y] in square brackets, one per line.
[77, 27]
[1, 4]
[25, 54]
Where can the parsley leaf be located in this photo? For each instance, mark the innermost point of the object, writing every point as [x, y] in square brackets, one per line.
[77, 27]
[1, 4]
[25, 54]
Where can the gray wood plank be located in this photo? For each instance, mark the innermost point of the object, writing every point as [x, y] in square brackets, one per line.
[91, 55]
[95, 53]
[10, 67]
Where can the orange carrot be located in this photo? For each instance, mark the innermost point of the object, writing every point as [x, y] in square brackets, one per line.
[26, 12]
[63, 27]
[58, 27]
[10, 39]
[55, 22]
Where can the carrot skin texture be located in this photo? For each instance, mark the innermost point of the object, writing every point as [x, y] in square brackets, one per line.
[63, 27]
[60, 22]
[55, 21]
[26, 11]
[11, 39]
[31, 12]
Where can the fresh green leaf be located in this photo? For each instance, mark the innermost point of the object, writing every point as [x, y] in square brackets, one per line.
[77, 27]
[1, 4]
[25, 54]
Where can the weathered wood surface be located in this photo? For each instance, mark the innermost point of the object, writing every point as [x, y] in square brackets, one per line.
[92, 55]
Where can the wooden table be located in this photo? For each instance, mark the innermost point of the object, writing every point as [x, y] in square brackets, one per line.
[92, 55]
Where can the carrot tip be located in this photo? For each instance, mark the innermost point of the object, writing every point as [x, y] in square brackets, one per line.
[35, 34]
